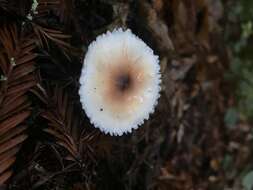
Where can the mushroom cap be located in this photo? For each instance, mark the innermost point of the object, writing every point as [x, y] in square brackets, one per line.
[120, 82]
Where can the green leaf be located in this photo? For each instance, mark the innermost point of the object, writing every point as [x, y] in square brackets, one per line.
[231, 117]
[247, 181]
[227, 162]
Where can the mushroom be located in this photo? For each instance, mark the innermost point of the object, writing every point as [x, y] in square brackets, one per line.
[120, 82]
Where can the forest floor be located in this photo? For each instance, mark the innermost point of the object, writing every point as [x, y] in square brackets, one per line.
[194, 140]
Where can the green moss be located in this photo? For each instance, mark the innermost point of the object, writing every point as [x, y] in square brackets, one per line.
[241, 70]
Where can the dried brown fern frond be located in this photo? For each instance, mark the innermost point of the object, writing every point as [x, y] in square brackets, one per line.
[17, 77]
[62, 8]
[46, 35]
[13, 10]
[66, 126]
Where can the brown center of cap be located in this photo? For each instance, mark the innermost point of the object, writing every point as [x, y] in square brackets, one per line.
[123, 82]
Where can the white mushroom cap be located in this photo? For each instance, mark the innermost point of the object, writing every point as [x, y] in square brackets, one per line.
[120, 82]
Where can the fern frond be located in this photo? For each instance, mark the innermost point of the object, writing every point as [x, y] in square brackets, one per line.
[46, 35]
[62, 8]
[17, 70]
[66, 126]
